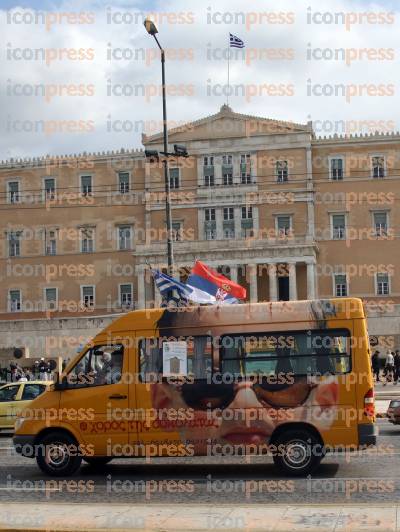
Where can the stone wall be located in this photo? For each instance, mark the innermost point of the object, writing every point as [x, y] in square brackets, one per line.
[64, 336]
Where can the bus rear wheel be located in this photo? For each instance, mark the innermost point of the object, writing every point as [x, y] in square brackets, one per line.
[58, 454]
[298, 452]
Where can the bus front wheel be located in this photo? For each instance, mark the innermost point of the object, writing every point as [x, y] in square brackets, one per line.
[298, 452]
[58, 454]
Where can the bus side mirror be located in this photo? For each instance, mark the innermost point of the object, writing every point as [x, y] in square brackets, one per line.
[60, 383]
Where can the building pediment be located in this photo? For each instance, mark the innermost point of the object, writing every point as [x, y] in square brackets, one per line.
[228, 124]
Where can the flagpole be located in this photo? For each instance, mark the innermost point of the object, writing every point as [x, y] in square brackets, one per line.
[229, 53]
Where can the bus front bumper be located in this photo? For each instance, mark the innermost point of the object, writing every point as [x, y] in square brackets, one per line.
[367, 434]
[24, 445]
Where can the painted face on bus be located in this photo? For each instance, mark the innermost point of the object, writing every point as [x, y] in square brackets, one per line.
[245, 412]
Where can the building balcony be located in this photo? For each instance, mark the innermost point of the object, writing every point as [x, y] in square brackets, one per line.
[275, 249]
[222, 191]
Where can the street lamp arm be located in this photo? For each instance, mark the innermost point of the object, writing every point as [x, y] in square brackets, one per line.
[159, 45]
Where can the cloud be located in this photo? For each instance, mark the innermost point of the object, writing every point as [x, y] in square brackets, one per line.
[95, 85]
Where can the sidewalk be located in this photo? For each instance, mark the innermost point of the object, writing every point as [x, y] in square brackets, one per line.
[191, 517]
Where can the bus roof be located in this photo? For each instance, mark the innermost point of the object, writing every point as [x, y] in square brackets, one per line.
[318, 310]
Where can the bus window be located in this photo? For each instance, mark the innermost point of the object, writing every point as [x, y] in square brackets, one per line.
[299, 353]
[198, 352]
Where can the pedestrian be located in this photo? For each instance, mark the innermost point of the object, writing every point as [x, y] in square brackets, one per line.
[389, 367]
[43, 368]
[396, 366]
[21, 377]
[375, 365]
[13, 372]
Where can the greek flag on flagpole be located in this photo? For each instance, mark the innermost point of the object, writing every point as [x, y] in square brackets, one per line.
[176, 293]
[172, 291]
[235, 42]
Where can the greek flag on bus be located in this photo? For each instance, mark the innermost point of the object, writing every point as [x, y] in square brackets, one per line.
[235, 42]
[179, 294]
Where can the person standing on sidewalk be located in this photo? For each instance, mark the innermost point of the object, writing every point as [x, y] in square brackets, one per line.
[389, 368]
[396, 366]
[375, 365]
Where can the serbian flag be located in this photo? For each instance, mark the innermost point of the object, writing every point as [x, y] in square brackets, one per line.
[215, 284]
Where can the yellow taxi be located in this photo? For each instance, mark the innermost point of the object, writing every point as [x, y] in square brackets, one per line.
[16, 396]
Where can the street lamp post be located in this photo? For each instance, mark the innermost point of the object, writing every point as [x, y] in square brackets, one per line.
[151, 29]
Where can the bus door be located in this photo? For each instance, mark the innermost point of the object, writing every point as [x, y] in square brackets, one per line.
[96, 395]
[169, 392]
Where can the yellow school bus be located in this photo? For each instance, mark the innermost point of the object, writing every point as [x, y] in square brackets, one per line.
[290, 380]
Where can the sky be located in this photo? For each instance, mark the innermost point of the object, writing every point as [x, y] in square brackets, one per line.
[83, 75]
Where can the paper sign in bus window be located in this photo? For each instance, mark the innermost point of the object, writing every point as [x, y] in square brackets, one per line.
[175, 358]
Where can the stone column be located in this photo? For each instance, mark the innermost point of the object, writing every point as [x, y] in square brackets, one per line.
[273, 287]
[253, 283]
[310, 196]
[234, 273]
[141, 291]
[238, 222]
[292, 282]
[219, 216]
[218, 169]
[311, 280]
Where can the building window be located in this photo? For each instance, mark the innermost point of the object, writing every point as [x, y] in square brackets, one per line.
[208, 171]
[174, 178]
[49, 188]
[284, 225]
[340, 285]
[125, 296]
[282, 171]
[51, 242]
[14, 301]
[227, 170]
[245, 169]
[229, 231]
[87, 296]
[229, 213]
[123, 182]
[338, 226]
[124, 237]
[86, 185]
[51, 299]
[336, 169]
[210, 226]
[177, 231]
[382, 284]
[247, 213]
[247, 222]
[14, 243]
[380, 223]
[13, 192]
[210, 215]
[87, 240]
[378, 167]
[229, 222]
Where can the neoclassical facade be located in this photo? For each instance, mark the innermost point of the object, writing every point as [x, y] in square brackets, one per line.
[286, 214]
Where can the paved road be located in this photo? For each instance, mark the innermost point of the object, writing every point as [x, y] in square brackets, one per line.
[356, 479]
